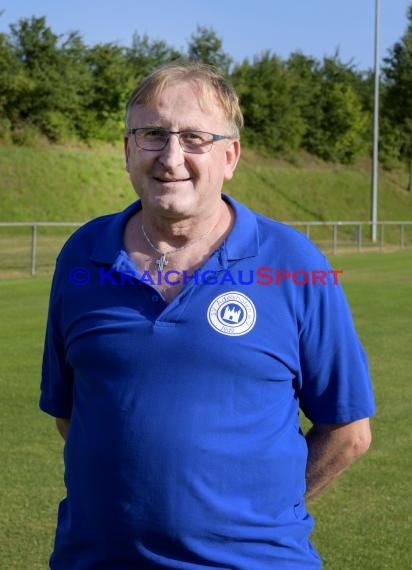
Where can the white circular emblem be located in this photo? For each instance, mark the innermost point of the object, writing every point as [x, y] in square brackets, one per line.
[232, 313]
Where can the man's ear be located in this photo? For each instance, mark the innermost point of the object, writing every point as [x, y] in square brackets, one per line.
[126, 152]
[232, 158]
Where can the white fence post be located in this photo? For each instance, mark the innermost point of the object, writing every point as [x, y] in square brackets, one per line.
[335, 238]
[359, 236]
[33, 249]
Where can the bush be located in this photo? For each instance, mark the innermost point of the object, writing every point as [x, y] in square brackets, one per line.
[56, 127]
[5, 130]
[26, 134]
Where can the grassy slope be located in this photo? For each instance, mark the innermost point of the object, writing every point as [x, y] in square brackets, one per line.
[58, 184]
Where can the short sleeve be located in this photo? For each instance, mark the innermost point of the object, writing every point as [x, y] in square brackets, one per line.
[56, 387]
[335, 385]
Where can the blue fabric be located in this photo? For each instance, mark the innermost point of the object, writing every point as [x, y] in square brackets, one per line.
[184, 449]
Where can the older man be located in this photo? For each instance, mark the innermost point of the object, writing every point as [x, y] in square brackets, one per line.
[177, 370]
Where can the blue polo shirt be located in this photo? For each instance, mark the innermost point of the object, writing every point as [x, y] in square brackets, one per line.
[184, 449]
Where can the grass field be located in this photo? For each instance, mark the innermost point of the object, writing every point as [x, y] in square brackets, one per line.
[363, 521]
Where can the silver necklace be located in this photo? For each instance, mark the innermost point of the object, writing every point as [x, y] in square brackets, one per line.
[162, 261]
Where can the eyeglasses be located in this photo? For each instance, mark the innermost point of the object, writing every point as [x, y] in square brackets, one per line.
[196, 142]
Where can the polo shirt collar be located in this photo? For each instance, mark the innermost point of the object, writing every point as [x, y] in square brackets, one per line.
[110, 242]
[242, 242]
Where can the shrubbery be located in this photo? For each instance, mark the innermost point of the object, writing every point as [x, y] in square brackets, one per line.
[58, 88]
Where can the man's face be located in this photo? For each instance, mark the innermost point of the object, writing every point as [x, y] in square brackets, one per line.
[173, 183]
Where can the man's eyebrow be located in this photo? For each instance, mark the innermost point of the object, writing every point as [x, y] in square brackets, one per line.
[149, 126]
[182, 129]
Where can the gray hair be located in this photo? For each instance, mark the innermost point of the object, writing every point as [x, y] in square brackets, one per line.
[212, 86]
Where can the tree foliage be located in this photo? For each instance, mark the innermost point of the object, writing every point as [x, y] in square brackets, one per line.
[337, 122]
[57, 87]
[273, 122]
[146, 54]
[397, 103]
[206, 46]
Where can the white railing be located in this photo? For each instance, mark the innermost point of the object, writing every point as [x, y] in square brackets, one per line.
[31, 247]
[14, 245]
[360, 241]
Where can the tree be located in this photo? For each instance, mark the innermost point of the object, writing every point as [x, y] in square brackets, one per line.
[339, 133]
[55, 71]
[306, 84]
[146, 54]
[77, 82]
[110, 86]
[205, 46]
[273, 122]
[15, 85]
[35, 47]
[337, 124]
[398, 95]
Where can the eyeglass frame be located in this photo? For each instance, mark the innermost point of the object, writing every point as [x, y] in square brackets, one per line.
[215, 138]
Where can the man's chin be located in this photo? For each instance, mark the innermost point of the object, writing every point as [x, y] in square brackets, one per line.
[173, 206]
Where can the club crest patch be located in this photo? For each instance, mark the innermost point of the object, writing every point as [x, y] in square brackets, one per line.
[232, 314]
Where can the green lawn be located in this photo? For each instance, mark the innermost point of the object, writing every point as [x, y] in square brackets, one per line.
[362, 521]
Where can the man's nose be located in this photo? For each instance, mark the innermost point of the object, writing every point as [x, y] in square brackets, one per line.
[173, 152]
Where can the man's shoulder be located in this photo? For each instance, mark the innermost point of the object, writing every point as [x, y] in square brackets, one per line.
[84, 239]
[96, 231]
[284, 237]
[270, 227]
[277, 239]
[89, 229]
